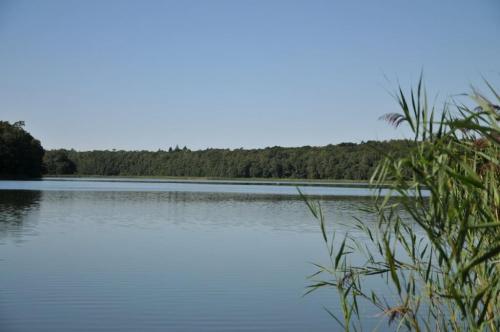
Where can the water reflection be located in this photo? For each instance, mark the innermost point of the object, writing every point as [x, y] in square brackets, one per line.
[207, 211]
[15, 206]
[191, 186]
[131, 257]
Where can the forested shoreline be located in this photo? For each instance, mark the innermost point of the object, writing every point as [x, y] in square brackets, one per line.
[345, 161]
[22, 156]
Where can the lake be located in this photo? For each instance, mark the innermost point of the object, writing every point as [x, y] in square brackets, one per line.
[148, 255]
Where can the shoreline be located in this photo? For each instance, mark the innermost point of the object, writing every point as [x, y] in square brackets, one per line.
[194, 178]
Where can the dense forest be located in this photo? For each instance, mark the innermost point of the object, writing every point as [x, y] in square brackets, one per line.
[345, 161]
[21, 155]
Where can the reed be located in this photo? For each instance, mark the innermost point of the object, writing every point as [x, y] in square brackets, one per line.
[435, 245]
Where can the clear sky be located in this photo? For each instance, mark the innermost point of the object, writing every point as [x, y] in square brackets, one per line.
[147, 75]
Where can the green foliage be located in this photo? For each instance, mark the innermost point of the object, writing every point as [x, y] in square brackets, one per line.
[347, 161]
[20, 154]
[434, 247]
[58, 162]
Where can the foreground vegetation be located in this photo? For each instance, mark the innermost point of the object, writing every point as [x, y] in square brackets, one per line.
[435, 252]
[346, 161]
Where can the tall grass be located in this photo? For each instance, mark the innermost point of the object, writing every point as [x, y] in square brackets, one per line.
[435, 248]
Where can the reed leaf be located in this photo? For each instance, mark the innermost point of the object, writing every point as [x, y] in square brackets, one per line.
[436, 242]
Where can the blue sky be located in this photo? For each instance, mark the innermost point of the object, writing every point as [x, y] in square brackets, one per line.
[147, 75]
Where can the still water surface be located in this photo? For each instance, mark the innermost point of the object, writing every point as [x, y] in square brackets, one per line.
[134, 255]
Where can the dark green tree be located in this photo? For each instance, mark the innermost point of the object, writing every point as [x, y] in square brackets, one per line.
[21, 155]
[58, 162]
[343, 161]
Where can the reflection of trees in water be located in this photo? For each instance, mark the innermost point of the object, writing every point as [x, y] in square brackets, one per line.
[14, 207]
[211, 210]
[279, 212]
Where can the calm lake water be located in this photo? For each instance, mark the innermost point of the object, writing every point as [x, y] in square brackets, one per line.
[145, 255]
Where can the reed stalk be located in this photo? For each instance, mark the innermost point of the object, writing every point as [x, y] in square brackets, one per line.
[435, 245]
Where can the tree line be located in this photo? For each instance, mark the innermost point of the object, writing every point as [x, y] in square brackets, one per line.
[345, 161]
[21, 155]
